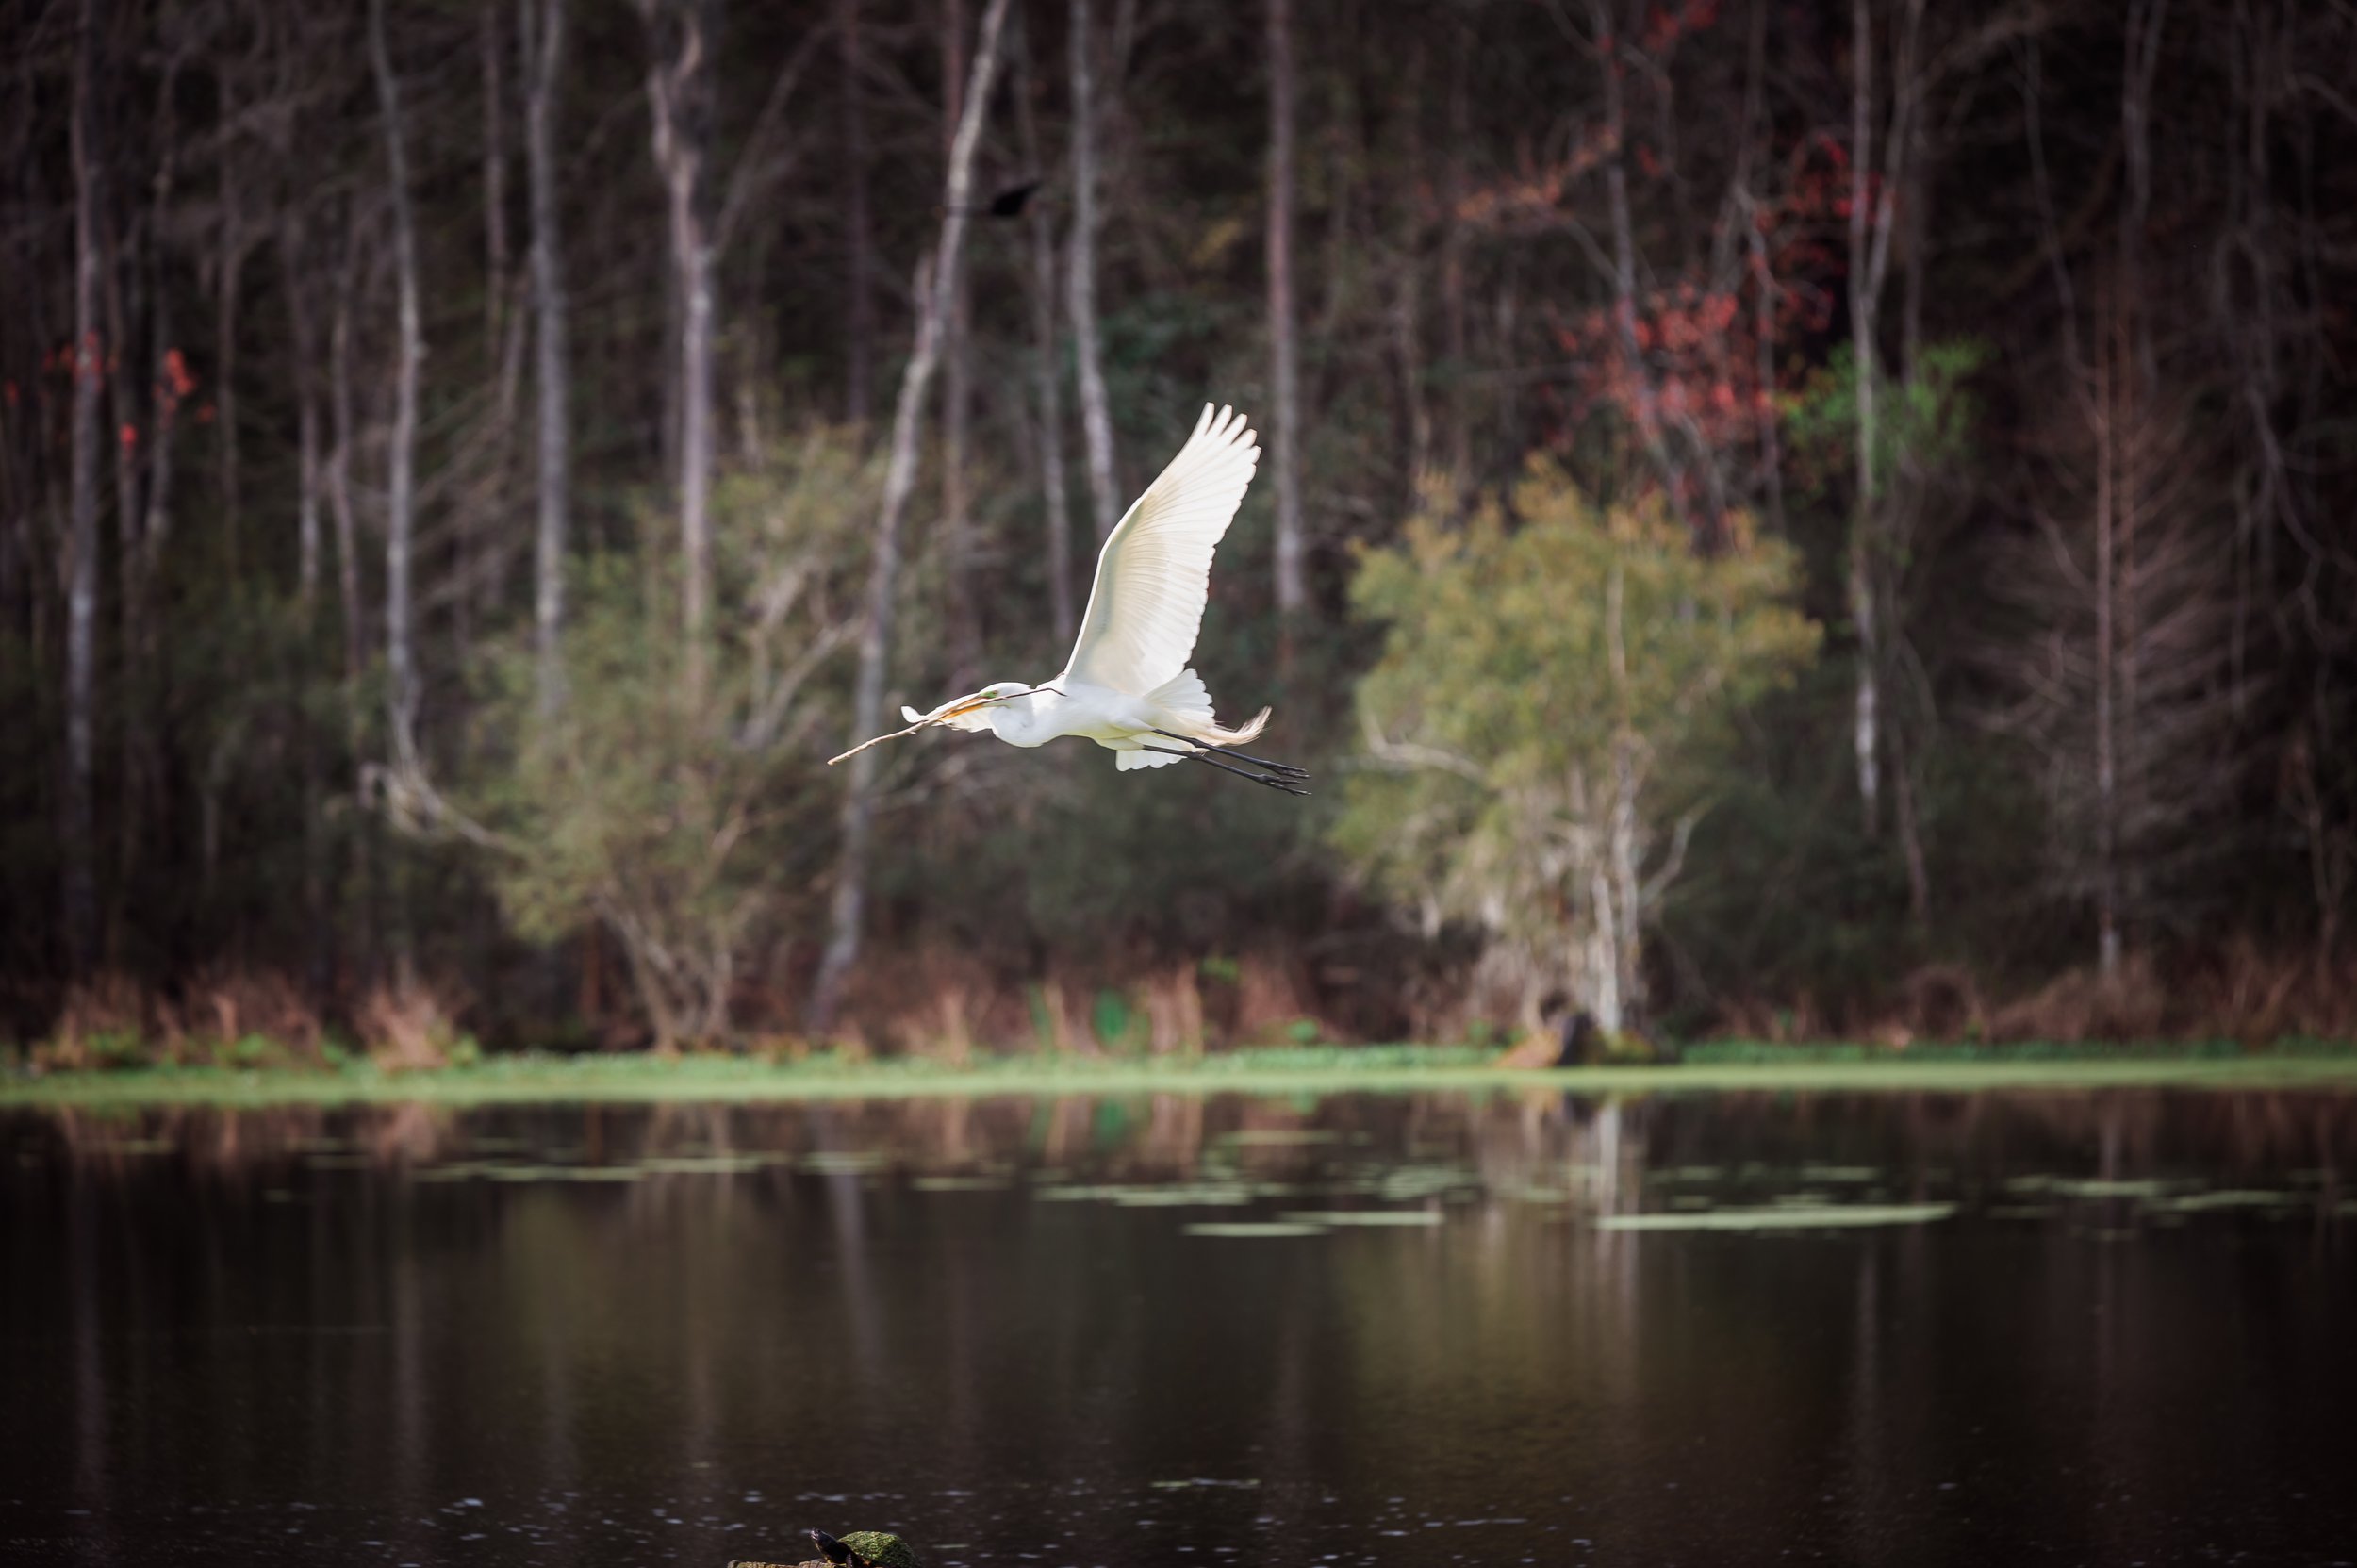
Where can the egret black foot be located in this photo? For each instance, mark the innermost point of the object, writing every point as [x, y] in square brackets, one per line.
[1210, 758]
[1196, 747]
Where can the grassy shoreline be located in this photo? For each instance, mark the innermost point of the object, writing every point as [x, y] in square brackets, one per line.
[521, 1080]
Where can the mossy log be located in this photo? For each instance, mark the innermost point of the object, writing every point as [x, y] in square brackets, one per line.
[879, 1547]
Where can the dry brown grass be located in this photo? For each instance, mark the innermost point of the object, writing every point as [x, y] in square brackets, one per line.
[108, 1021]
[225, 1005]
[2081, 1004]
[1174, 1011]
[406, 1028]
[1271, 994]
[2246, 995]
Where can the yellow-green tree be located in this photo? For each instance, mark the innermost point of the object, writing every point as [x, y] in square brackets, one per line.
[679, 814]
[1543, 677]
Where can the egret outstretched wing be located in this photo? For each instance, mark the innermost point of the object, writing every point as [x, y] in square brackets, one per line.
[1154, 573]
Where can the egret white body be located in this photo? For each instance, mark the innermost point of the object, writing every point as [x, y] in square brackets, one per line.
[1128, 686]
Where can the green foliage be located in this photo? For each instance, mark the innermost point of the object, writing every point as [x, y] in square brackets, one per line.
[1534, 672]
[686, 819]
[1923, 423]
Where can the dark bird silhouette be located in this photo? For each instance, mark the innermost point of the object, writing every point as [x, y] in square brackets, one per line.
[1007, 204]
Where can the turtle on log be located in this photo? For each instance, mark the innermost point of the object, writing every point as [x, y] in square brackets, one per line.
[859, 1549]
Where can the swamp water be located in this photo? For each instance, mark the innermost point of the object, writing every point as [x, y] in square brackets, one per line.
[2097, 1327]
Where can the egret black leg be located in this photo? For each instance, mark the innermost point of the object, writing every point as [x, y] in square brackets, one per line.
[1287, 770]
[1207, 756]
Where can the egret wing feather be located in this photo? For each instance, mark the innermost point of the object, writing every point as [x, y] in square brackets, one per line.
[1154, 574]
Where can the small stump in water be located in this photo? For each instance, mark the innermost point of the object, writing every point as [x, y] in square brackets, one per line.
[859, 1549]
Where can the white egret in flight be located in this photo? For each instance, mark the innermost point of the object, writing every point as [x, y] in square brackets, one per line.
[1127, 686]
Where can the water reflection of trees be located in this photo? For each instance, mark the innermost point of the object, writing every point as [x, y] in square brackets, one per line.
[1587, 1154]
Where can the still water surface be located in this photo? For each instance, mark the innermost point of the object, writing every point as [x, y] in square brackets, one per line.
[2111, 1328]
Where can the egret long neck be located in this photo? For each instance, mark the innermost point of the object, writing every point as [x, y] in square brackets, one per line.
[1024, 720]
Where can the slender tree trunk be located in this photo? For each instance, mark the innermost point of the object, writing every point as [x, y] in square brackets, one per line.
[144, 772]
[1864, 296]
[339, 496]
[543, 29]
[341, 510]
[171, 382]
[1453, 265]
[2107, 900]
[494, 175]
[400, 497]
[1762, 276]
[133, 422]
[228, 290]
[1622, 847]
[934, 294]
[957, 398]
[679, 90]
[859, 245]
[1096, 425]
[1872, 219]
[1284, 367]
[1645, 396]
[1408, 301]
[303, 330]
[1047, 383]
[81, 875]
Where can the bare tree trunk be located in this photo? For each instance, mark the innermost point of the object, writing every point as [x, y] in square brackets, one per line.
[341, 508]
[339, 497]
[1047, 383]
[543, 29]
[679, 80]
[957, 398]
[1623, 850]
[474, 566]
[143, 538]
[304, 332]
[2107, 899]
[303, 326]
[859, 238]
[1763, 277]
[133, 738]
[934, 294]
[1096, 425]
[228, 288]
[1872, 210]
[400, 498]
[1408, 301]
[81, 876]
[1453, 265]
[494, 176]
[1864, 737]
[1284, 368]
[1647, 399]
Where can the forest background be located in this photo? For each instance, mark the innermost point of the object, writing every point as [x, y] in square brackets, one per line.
[1777, 518]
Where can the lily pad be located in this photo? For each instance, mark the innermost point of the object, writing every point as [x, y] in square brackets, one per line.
[565, 1173]
[2232, 1198]
[845, 1161]
[1372, 1219]
[702, 1164]
[1254, 1229]
[1779, 1217]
